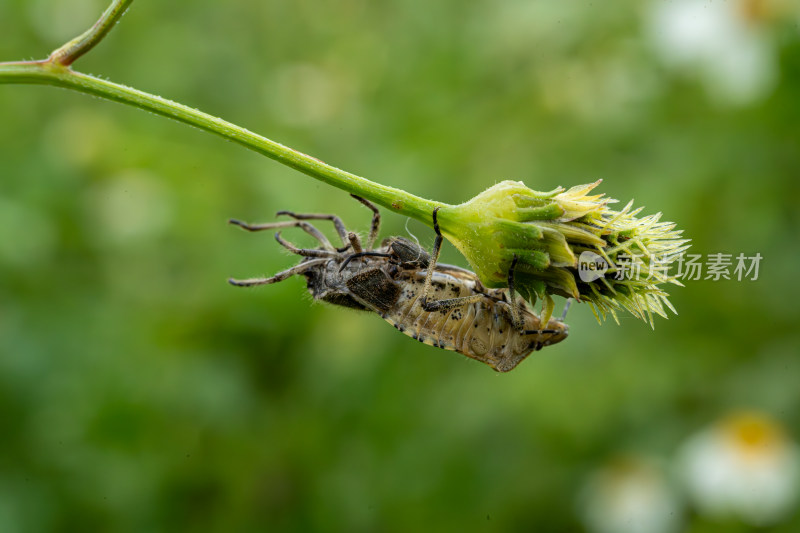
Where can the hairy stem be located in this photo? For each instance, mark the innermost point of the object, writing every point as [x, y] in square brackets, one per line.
[56, 71]
[68, 53]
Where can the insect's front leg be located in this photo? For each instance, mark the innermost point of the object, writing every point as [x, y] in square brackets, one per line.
[337, 223]
[280, 276]
[308, 228]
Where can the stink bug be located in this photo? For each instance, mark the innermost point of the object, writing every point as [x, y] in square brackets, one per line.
[441, 305]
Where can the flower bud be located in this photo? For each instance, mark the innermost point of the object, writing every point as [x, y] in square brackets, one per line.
[548, 232]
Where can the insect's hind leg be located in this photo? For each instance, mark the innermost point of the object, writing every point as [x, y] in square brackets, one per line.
[440, 305]
[566, 308]
[337, 223]
[516, 319]
[280, 276]
[308, 228]
[437, 248]
[376, 220]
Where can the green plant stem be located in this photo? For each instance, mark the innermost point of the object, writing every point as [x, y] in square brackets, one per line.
[49, 73]
[56, 71]
[71, 51]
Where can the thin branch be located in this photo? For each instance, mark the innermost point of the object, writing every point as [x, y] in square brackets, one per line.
[71, 51]
[56, 71]
[46, 73]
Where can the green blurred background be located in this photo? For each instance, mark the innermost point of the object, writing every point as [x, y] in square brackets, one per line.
[140, 392]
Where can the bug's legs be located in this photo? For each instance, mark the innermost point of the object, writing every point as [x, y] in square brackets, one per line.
[437, 247]
[439, 305]
[280, 276]
[308, 228]
[553, 331]
[566, 308]
[376, 220]
[516, 320]
[337, 222]
[450, 303]
[304, 251]
[539, 331]
[355, 242]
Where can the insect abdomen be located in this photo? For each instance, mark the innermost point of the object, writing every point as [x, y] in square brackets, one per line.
[478, 330]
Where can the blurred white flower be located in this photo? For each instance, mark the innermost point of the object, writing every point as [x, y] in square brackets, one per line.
[630, 495]
[743, 466]
[726, 44]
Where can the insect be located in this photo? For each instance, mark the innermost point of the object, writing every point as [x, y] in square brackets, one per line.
[441, 305]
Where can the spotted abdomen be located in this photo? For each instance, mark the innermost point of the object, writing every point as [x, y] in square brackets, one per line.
[481, 330]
